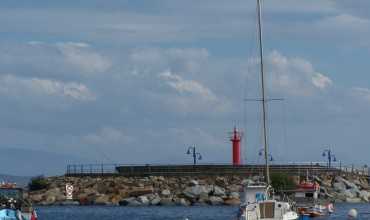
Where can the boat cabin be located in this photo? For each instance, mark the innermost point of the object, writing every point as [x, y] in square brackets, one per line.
[254, 193]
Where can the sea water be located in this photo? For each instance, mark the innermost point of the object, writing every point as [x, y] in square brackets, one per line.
[167, 213]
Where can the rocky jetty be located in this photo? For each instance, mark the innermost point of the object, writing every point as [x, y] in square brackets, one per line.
[344, 189]
[170, 191]
[154, 190]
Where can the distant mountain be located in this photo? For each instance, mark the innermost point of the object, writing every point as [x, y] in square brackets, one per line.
[21, 181]
[25, 162]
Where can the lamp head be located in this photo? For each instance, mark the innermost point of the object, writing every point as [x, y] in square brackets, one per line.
[188, 152]
[334, 159]
[324, 154]
[200, 157]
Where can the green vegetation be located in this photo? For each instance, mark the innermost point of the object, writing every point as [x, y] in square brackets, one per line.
[281, 181]
[38, 183]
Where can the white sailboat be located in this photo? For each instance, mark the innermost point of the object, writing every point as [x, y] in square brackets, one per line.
[258, 203]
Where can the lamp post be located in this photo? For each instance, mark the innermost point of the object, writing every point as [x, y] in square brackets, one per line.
[269, 156]
[330, 156]
[366, 170]
[196, 156]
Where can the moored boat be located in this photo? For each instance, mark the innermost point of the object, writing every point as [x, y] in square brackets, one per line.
[259, 203]
[13, 205]
[307, 200]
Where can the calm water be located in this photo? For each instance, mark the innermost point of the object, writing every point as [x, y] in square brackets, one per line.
[165, 213]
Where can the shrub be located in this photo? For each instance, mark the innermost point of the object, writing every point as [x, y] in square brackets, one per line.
[38, 183]
[282, 181]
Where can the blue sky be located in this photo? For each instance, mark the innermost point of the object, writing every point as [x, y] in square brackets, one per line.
[139, 81]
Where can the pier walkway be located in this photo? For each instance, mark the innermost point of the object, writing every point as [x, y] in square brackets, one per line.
[301, 169]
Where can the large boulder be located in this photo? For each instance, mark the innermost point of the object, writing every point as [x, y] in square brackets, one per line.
[232, 201]
[140, 191]
[349, 194]
[221, 181]
[246, 182]
[143, 200]
[36, 198]
[181, 202]
[339, 186]
[155, 201]
[102, 200]
[215, 200]
[346, 182]
[193, 183]
[166, 193]
[196, 191]
[234, 188]
[353, 200]
[102, 188]
[364, 195]
[234, 195]
[130, 202]
[325, 193]
[324, 181]
[49, 200]
[166, 202]
[218, 191]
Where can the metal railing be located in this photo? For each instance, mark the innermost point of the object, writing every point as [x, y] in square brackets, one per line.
[313, 168]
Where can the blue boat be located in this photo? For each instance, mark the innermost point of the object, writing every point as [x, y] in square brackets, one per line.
[13, 205]
[9, 214]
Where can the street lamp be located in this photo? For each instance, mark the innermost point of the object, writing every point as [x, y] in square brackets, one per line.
[366, 170]
[261, 153]
[196, 156]
[331, 157]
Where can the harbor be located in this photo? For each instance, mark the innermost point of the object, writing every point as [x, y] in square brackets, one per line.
[184, 110]
[182, 190]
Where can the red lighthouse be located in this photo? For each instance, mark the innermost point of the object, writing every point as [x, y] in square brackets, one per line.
[235, 139]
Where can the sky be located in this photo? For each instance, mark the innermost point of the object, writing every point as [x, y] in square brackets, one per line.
[138, 82]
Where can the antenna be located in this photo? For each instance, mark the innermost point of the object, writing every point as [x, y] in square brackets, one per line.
[265, 143]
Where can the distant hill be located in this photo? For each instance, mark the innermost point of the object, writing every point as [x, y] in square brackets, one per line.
[25, 162]
[21, 181]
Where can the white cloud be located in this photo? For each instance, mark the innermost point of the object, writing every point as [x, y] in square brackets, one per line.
[294, 76]
[345, 22]
[13, 85]
[321, 81]
[187, 86]
[186, 60]
[108, 136]
[80, 55]
[360, 92]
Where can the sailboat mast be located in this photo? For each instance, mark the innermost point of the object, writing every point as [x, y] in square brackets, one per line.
[265, 144]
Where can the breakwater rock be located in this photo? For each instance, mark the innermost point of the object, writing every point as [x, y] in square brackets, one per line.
[184, 191]
[154, 190]
[344, 189]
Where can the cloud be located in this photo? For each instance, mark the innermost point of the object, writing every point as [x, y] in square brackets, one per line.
[321, 81]
[338, 29]
[345, 22]
[63, 61]
[11, 85]
[187, 86]
[108, 136]
[80, 55]
[360, 92]
[294, 76]
[185, 60]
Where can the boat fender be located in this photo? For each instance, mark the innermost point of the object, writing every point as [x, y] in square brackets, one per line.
[34, 215]
[19, 215]
[352, 214]
[330, 207]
